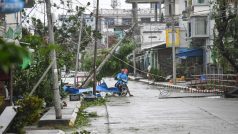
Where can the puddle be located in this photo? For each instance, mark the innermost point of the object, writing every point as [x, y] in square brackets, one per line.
[113, 123]
[214, 97]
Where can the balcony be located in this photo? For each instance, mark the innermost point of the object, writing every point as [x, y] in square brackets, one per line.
[125, 13]
[198, 27]
[200, 2]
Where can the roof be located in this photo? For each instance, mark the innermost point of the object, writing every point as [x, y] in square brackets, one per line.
[154, 44]
[187, 52]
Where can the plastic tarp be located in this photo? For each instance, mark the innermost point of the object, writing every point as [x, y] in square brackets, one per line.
[100, 88]
[186, 52]
[73, 90]
[103, 88]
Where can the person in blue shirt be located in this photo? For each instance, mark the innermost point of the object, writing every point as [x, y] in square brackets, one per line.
[123, 77]
[118, 78]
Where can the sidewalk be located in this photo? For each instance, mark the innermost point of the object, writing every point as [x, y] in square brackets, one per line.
[180, 88]
[69, 114]
[163, 84]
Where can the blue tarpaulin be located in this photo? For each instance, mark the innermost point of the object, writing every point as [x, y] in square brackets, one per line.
[11, 6]
[186, 52]
[100, 88]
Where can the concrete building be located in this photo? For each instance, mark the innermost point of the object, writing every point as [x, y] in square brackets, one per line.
[113, 22]
[200, 31]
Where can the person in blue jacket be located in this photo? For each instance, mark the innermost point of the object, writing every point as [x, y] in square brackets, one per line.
[123, 77]
[118, 78]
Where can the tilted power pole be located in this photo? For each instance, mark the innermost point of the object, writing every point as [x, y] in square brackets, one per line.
[135, 33]
[78, 51]
[57, 106]
[106, 59]
[173, 42]
[95, 51]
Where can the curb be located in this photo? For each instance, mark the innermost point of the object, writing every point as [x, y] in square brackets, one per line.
[74, 115]
[160, 84]
[189, 89]
[69, 115]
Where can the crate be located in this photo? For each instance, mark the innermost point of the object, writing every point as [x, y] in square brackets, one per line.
[74, 97]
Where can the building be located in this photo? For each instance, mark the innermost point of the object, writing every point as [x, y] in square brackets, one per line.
[114, 22]
[200, 32]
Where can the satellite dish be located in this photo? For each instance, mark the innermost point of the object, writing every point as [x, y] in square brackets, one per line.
[11, 6]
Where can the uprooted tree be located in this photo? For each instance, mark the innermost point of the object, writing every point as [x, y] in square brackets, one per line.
[226, 31]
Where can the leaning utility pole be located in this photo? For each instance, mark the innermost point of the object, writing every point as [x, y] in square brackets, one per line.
[78, 53]
[173, 42]
[135, 33]
[95, 51]
[57, 106]
[109, 55]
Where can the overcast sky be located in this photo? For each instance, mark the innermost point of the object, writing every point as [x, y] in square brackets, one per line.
[38, 12]
[106, 4]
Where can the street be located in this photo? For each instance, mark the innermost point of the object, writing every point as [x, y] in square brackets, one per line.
[146, 113]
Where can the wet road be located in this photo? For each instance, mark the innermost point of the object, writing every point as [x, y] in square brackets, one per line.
[145, 113]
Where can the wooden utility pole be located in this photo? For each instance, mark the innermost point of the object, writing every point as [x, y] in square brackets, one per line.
[57, 106]
[173, 42]
[95, 51]
[107, 57]
[135, 33]
[78, 53]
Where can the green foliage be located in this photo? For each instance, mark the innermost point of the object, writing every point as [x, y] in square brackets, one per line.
[225, 34]
[157, 74]
[39, 28]
[82, 117]
[85, 132]
[67, 34]
[113, 65]
[28, 112]
[26, 79]
[10, 55]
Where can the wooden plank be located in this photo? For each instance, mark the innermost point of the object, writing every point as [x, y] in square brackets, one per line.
[6, 118]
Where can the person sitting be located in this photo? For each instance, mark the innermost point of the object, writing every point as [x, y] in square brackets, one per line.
[118, 78]
[124, 78]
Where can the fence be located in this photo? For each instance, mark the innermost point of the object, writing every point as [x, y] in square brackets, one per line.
[214, 82]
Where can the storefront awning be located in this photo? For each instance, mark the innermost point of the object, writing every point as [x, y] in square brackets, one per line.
[186, 52]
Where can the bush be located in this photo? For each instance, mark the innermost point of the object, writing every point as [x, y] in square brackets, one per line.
[157, 74]
[28, 112]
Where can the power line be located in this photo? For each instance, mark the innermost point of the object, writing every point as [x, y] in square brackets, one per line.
[145, 72]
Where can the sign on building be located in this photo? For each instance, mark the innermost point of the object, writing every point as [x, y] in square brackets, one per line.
[169, 37]
[11, 6]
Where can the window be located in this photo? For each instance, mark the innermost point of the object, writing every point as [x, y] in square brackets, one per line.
[201, 1]
[126, 21]
[109, 21]
[170, 9]
[200, 25]
[145, 20]
[189, 30]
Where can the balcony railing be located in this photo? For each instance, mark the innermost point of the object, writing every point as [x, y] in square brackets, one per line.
[126, 12]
